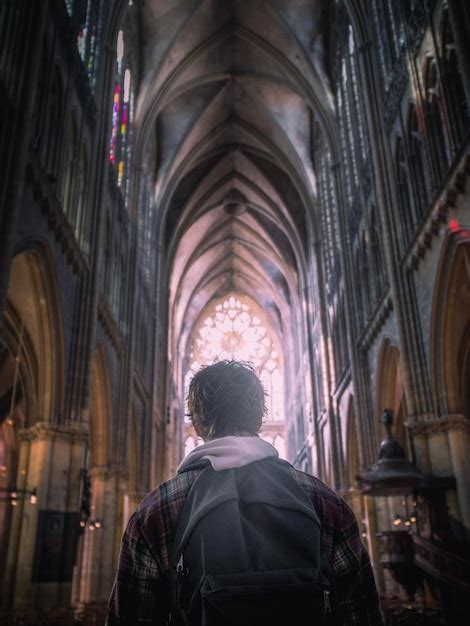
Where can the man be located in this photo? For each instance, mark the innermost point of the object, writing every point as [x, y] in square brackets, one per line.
[226, 402]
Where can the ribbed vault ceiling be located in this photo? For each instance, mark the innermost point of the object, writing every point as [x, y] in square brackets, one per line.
[229, 91]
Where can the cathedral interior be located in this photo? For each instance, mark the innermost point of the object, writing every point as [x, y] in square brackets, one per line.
[285, 182]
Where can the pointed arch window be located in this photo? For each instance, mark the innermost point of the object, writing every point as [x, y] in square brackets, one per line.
[348, 121]
[88, 39]
[359, 123]
[327, 199]
[353, 131]
[75, 188]
[123, 109]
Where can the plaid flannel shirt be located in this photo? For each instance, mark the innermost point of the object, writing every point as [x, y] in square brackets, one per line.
[140, 596]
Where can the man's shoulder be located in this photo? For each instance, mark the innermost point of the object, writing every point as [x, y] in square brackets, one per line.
[162, 506]
[329, 504]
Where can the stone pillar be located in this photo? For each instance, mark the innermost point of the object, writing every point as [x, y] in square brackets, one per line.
[101, 544]
[43, 537]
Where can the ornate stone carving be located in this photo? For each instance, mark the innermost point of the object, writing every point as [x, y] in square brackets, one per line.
[42, 431]
[103, 472]
[443, 424]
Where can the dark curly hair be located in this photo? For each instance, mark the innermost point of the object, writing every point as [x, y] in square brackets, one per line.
[226, 398]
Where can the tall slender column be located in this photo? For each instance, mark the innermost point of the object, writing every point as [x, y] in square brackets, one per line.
[41, 550]
[102, 535]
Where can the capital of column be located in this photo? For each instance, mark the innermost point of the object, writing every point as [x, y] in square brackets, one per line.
[446, 423]
[41, 431]
[104, 472]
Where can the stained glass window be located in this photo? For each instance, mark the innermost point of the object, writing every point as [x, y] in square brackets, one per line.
[234, 330]
[119, 149]
[88, 39]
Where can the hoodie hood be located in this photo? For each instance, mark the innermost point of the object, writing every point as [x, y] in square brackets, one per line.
[230, 452]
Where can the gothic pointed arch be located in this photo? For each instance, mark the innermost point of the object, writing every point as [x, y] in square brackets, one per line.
[31, 368]
[389, 391]
[450, 329]
[34, 305]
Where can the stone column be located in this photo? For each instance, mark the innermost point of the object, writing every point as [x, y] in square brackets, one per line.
[43, 538]
[101, 543]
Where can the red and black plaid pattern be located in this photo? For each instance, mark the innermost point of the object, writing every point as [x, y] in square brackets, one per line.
[139, 596]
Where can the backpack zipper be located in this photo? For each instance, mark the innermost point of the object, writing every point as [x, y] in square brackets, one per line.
[181, 573]
[326, 601]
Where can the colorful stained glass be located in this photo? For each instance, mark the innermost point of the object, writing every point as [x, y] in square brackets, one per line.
[116, 123]
[233, 331]
[122, 109]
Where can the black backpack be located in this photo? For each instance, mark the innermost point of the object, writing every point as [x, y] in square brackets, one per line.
[247, 552]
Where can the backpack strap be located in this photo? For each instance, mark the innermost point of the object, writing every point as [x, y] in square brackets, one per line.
[208, 490]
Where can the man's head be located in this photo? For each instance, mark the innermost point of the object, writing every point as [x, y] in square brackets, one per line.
[226, 398]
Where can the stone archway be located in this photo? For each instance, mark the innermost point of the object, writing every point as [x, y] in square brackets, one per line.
[390, 392]
[389, 512]
[449, 437]
[451, 331]
[33, 345]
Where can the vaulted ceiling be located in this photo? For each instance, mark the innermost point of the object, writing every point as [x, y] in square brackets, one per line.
[229, 91]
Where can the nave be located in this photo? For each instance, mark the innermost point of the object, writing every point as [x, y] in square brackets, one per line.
[282, 182]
